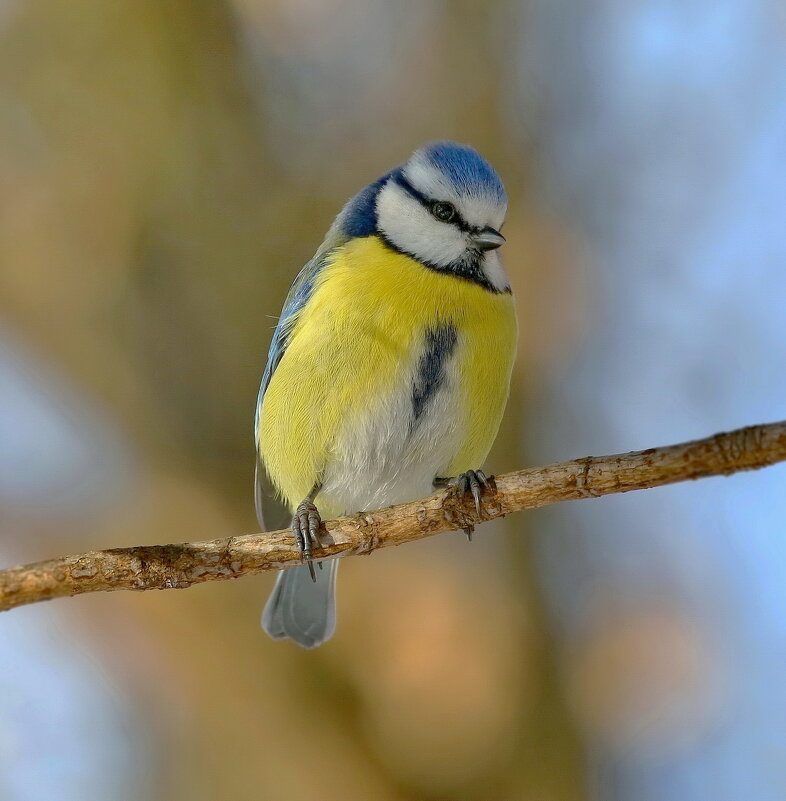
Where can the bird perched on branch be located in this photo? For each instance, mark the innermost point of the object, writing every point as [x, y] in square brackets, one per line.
[390, 365]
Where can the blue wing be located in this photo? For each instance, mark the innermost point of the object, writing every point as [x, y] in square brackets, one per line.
[297, 298]
[299, 295]
[357, 219]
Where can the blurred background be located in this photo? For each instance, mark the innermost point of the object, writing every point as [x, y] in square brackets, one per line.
[165, 169]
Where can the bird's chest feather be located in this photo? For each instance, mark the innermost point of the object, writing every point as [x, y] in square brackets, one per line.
[391, 447]
[394, 375]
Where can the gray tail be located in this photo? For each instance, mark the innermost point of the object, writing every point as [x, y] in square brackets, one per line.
[302, 609]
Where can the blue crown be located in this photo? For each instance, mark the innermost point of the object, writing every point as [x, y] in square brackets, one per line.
[466, 170]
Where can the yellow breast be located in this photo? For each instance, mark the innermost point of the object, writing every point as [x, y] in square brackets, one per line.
[353, 345]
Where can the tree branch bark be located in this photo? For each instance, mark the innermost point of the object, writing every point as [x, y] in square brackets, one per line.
[160, 567]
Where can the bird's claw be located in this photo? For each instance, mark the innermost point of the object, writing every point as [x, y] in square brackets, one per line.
[305, 529]
[472, 482]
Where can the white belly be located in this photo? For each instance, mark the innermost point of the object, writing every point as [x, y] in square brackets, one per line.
[383, 457]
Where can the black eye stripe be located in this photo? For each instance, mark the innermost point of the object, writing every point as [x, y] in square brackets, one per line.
[428, 203]
[409, 188]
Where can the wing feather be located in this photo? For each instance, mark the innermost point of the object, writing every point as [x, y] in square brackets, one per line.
[299, 294]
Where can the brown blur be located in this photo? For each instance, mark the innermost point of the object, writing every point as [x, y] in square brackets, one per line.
[165, 171]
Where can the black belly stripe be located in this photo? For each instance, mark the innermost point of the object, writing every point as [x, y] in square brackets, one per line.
[440, 343]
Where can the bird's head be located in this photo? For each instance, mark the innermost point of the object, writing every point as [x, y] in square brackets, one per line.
[444, 207]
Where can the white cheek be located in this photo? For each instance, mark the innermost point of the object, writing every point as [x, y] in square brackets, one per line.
[495, 272]
[411, 228]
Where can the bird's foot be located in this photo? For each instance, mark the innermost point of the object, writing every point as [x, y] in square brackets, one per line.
[305, 529]
[472, 482]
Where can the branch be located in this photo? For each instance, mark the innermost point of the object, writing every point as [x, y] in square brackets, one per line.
[159, 567]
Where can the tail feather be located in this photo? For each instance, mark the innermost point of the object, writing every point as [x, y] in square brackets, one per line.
[302, 609]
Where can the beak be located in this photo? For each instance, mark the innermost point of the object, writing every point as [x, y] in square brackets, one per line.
[487, 239]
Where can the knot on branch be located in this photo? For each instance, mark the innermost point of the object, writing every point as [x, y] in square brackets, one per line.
[367, 529]
[583, 479]
[738, 449]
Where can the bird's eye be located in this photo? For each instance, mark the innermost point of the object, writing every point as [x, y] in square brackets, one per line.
[444, 212]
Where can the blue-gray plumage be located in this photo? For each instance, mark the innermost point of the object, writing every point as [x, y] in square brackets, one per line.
[359, 217]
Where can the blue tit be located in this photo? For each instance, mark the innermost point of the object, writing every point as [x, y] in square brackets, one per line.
[390, 366]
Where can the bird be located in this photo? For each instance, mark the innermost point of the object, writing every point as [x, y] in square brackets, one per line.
[389, 368]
